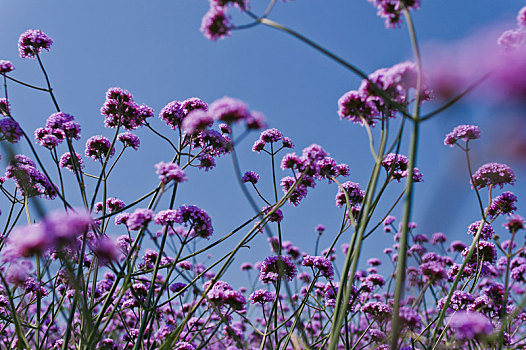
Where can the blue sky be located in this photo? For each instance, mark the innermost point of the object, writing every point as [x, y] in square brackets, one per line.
[154, 49]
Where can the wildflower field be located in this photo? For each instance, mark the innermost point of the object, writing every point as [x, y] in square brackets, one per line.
[208, 176]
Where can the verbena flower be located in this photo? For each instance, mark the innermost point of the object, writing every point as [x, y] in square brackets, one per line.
[274, 268]
[323, 265]
[129, 140]
[216, 23]
[470, 325]
[250, 176]
[67, 162]
[6, 66]
[486, 233]
[462, 132]
[493, 174]
[354, 193]
[262, 296]
[10, 131]
[32, 42]
[170, 172]
[98, 147]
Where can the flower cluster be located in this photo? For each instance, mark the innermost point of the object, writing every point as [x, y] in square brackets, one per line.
[119, 109]
[391, 10]
[98, 147]
[368, 104]
[395, 166]
[493, 174]
[170, 172]
[32, 42]
[175, 112]
[314, 164]
[29, 179]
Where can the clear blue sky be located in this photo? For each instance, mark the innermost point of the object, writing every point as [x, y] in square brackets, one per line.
[155, 50]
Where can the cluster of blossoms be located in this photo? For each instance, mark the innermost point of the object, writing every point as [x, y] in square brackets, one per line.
[28, 179]
[313, 165]
[54, 230]
[515, 38]
[196, 220]
[216, 23]
[59, 126]
[32, 42]
[120, 109]
[395, 166]
[227, 110]
[462, 132]
[368, 104]
[170, 172]
[391, 10]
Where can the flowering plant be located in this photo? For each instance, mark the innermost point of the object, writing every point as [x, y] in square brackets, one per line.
[68, 281]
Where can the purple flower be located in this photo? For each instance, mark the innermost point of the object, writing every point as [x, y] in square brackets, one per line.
[511, 39]
[229, 110]
[197, 219]
[470, 325]
[250, 176]
[216, 23]
[64, 122]
[172, 114]
[193, 103]
[98, 147]
[354, 193]
[67, 162]
[6, 66]
[256, 121]
[120, 109]
[129, 140]
[10, 130]
[55, 229]
[49, 138]
[114, 204]
[379, 311]
[438, 237]
[319, 229]
[503, 204]
[487, 230]
[166, 217]
[493, 174]
[170, 172]
[197, 120]
[28, 179]
[410, 318]
[277, 267]
[462, 132]
[261, 296]
[182, 345]
[391, 10]
[277, 216]
[485, 252]
[357, 108]
[31, 43]
[521, 17]
[139, 219]
[322, 264]
[271, 135]
[5, 107]
[514, 223]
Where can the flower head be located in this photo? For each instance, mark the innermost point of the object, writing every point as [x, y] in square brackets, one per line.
[170, 172]
[462, 132]
[6, 66]
[216, 24]
[493, 174]
[31, 43]
[470, 325]
[277, 267]
[129, 140]
[98, 147]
